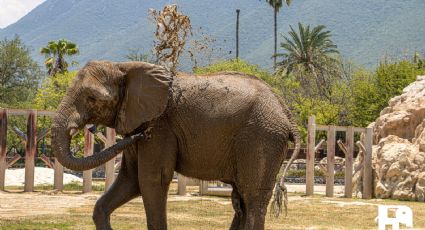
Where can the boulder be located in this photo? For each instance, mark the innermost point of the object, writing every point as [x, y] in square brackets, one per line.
[403, 114]
[298, 164]
[400, 169]
[398, 157]
[338, 167]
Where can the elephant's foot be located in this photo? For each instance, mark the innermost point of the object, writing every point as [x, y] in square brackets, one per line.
[237, 204]
[125, 188]
[100, 218]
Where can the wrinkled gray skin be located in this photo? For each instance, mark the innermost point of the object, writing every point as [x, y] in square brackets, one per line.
[229, 127]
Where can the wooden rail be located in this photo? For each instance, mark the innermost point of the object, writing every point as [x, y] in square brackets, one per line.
[204, 188]
[349, 152]
[30, 139]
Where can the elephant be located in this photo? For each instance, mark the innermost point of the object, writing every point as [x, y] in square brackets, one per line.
[227, 126]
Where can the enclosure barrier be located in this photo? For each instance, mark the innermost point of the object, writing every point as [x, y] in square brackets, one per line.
[30, 140]
[348, 151]
[220, 189]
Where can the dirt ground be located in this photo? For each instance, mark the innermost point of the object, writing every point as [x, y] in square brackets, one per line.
[72, 210]
[19, 204]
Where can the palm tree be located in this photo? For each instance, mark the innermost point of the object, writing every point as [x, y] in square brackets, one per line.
[276, 4]
[310, 48]
[55, 51]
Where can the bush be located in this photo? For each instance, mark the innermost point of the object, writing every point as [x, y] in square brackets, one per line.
[237, 65]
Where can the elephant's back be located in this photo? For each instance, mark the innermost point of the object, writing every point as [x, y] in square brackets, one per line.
[208, 112]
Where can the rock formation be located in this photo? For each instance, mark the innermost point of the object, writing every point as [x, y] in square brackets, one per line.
[399, 151]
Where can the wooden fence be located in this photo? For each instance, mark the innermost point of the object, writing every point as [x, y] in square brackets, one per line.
[31, 138]
[348, 149]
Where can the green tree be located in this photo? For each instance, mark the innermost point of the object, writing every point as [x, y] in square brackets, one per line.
[310, 48]
[55, 53]
[48, 97]
[237, 65]
[364, 108]
[19, 74]
[392, 78]
[312, 51]
[52, 90]
[276, 5]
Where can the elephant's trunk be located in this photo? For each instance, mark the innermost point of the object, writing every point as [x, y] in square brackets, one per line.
[61, 140]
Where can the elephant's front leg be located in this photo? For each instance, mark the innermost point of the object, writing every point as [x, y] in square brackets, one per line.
[125, 188]
[154, 195]
[157, 160]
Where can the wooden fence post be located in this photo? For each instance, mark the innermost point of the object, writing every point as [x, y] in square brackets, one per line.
[311, 144]
[110, 165]
[348, 175]
[181, 185]
[88, 151]
[30, 151]
[3, 149]
[203, 187]
[367, 168]
[58, 176]
[330, 157]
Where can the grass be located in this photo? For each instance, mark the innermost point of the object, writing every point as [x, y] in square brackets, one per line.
[315, 212]
[73, 186]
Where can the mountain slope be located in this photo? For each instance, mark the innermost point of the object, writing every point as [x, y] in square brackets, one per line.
[106, 29]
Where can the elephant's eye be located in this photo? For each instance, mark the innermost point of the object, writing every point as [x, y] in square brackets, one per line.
[91, 98]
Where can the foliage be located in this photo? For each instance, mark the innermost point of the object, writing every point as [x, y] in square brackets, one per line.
[363, 106]
[52, 91]
[19, 74]
[49, 96]
[172, 31]
[371, 91]
[55, 51]
[19, 79]
[276, 5]
[237, 65]
[137, 55]
[392, 78]
[307, 47]
[310, 48]
[86, 23]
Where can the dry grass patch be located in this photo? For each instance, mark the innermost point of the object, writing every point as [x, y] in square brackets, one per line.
[208, 213]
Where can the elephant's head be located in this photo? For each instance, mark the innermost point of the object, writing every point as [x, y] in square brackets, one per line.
[118, 95]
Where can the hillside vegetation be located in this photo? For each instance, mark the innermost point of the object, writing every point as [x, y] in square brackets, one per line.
[364, 31]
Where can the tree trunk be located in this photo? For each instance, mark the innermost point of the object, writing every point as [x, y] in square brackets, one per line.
[237, 33]
[275, 39]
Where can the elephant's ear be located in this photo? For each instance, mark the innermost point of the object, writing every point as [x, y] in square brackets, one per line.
[146, 93]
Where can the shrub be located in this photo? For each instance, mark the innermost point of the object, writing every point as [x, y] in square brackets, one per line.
[237, 65]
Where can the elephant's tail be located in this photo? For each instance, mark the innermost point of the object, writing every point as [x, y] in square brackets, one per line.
[280, 190]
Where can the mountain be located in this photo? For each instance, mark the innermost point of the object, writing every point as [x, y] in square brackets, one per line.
[364, 31]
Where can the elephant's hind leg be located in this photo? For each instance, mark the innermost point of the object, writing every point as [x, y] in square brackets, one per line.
[238, 206]
[124, 189]
[260, 154]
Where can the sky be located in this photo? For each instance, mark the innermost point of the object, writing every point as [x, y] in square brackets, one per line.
[12, 10]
